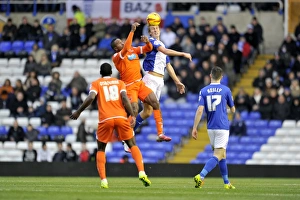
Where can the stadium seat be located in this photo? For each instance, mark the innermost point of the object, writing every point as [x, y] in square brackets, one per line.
[22, 121]
[22, 145]
[3, 62]
[261, 124]
[275, 124]
[154, 154]
[66, 130]
[92, 63]
[53, 130]
[232, 140]
[40, 44]
[5, 46]
[14, 62]
[289, 124]
[8, 121]
[244, 115]
[4, 113]
[267, 132]
[28, 45]
[3, 130]
[250, 123]
[66, 63]
[254, 115]
[9, 145]
[17, 46]
[6, 72]
[252, 132]
[78, 63]
[35, 121]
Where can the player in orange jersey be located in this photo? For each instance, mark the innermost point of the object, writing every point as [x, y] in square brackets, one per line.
[112, 101]
[127, 62]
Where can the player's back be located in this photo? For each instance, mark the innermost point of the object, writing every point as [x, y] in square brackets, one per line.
[128, 65]
[215, 98]
[155, 60]
[108, 98]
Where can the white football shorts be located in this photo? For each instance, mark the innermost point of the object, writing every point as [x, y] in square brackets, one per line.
[218, 138]
[155, 83]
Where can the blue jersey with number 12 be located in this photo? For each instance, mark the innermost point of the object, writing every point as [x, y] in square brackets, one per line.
[215, 98]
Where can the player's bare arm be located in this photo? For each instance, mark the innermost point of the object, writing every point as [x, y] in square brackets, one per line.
[180, 86]
[232, 109]
[146, 48]
[197, 119]
[171, 52]
[133, 26]
[90, 98]
[128, 107]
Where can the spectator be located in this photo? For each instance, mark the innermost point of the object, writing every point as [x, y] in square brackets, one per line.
[125, 28]
[18, 105]
[297, 30]
[71, 155]
[139, 30]
[176, 46]
[242, 100]
[31, 112]
[279, 66]
[65, 41]
[41, 108]
[202, 25]
[48, 117]
[273, 95]
[74, 99]
[24, 30]
[84, 154]
[54, 57]
[99, 29]
[295, 110]
[37, 31]
[44, 68]
[113, 28]
[89, 27]
[37, 53]
[50, 37]
[259, 82]
[288, 47]
[34, 91]
[281, 109]
[6, 89]
[30, 155]
[265, 108]
[238, 126]
[9, 31]
[16, 132]
[176, 24]
[124, 159]
[219, 33]
[62, 114]
[44, 155]
[174, 94]
[188, 45]
[234, 35]
[78, 82]
[30, 65]
[32, 133]
[205, 69]
[197, 82]
[257, 29]
[60, 155]
[269, 71]
[296, 66]
[226, 42]
[92, 44]
[256, 99]
[19, 87]
[288, 96]
[245, 48]
[288, 81]
[219, 24]
[32, 75]
[168, 37]
[295, 88]
[208, 32]
[81, 40]
[229, 71]
[251, 37]
[78, 15]
[54, 88]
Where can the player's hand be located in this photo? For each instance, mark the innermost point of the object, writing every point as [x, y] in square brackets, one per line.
[144, 39]
[134, 25]
[180, 88]
[188, 56]
[75, 115]
[195, 134]
[132, 121]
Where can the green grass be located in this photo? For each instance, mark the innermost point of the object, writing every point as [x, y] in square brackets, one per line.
[66, 188]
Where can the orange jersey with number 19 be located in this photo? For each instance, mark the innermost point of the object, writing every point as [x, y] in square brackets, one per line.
[110, 104]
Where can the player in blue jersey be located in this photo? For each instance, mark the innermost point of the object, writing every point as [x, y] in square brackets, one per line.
[215, 98]
[154, 65]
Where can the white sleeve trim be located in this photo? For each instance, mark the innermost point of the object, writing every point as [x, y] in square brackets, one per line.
[122, 91]
[93, 91]
[141, 49]
[121, 55]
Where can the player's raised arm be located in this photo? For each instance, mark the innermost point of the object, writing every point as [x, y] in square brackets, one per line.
[128, 42]
[171, 52]
[180, 86]
[90, 98]
[147, 47]
[197, 119]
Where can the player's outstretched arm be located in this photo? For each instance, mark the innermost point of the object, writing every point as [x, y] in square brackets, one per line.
[197, 119]
[128, 107]
[90, 98]
[128, 42]
[171, 52]
[180, 86]
[146, 48]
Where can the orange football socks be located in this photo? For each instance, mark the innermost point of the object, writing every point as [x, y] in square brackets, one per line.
[158, 121]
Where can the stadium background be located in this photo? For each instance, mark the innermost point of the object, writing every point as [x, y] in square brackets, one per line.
[279, 144]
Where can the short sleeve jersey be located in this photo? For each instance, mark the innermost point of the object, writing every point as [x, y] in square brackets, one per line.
[215, 98]
[155, 60]
[109, 100]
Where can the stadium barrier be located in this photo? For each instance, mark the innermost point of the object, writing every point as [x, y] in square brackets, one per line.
[153, 170]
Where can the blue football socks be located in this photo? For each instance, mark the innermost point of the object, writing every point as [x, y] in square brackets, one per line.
[210, 165]
[224, 170]
[139, 121]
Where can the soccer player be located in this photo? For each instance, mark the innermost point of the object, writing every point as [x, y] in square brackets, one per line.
[214, 98]
[112, 98]
[155, 64]
[127, 62]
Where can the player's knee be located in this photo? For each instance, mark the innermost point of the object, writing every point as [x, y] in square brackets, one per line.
[148, 111]
[131, 142]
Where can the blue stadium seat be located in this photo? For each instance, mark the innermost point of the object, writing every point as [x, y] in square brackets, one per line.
[224, 80]
[233, 139]
[176, 139]
[167, 147]
[154, 154]
[40, 44]
[246, 140]
[267, 132]
[148, 130]
[3, 130]
[53, 130]
[244, 155]
[249, 123]
[252, 148]
[192, 98]
[195, 161]
[261, 124]
[28, 46]
[244, 115]
[42, 130]
[254, 115]
[236, 148]
[275, 124]
[145, 146]
[236, 161]
[149, 160]
[113, 159]
[204, 155]
[208, 148]
[231, 155]
[118, 146]
[5, 46]
[252, 131]
[105, 44]
[66, 130]
[17, 46]
[111, 154]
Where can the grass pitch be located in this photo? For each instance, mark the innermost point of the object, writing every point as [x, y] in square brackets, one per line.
[66, 188]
